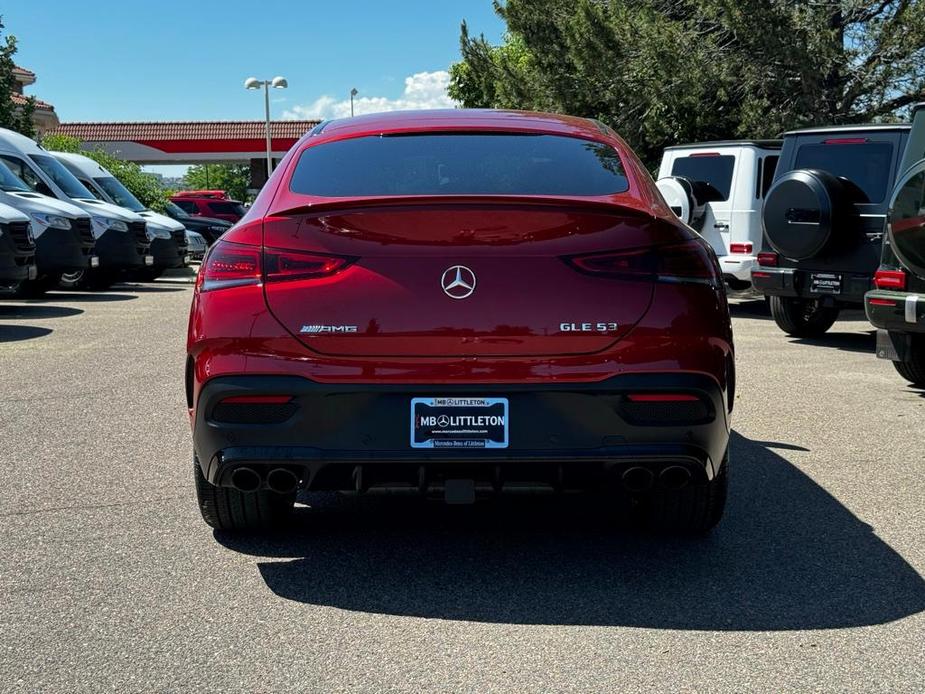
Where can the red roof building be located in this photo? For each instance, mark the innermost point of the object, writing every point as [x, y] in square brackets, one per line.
[44, 118]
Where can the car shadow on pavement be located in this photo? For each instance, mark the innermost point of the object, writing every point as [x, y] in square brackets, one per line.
[787, 556]
[750, 308]
[846, 342]
[36, 311]
[18, 333]
[142, 288]
[86, 297]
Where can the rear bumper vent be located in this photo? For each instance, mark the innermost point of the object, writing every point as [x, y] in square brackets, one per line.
[657, 412]
[253, 413]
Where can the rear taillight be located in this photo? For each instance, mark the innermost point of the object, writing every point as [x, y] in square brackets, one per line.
[235, 265]
[890, 279]
[281, 265]
[684, 262]
[768, 259]
[745, 248]
[229, 265]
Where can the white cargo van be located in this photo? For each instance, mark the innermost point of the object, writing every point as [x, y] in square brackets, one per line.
[121, 239]
[718, 188]
[169, 246]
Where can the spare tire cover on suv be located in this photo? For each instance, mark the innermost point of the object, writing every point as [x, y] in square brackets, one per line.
[906, 219]
[687, 198]
[802, 210]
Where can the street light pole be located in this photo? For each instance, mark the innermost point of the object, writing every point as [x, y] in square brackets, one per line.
[276, 83]
[353, 93]
[266, 108]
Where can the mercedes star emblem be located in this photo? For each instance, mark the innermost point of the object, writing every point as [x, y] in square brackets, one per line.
[458, 282]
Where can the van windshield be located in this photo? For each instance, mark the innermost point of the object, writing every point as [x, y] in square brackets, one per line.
[119, 194]
[481, 163]
[865, 164]
[63, 178]
[9, 183]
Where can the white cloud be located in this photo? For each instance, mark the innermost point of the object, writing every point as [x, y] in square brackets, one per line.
[422, 90]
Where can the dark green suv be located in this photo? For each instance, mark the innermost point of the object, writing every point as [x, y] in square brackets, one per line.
[896, 306]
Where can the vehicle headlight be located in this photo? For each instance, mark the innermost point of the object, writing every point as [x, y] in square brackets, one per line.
[52, 220]
[157, 234]
[110, 223]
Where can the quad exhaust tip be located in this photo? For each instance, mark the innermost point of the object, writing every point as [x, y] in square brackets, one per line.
[638, 479]
[674, 477]
[245, 479]
[282, 481]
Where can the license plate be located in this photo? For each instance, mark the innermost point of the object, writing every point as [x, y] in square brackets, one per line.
[825, 283]
[94, 261]
[149, 260]
[459, 423]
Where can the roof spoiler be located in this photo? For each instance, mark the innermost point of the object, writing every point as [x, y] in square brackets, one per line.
[915, 145]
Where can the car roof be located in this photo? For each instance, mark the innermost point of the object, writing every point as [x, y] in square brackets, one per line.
[463, 119]
[86, 165]
[764, 144]
[865, 127]
[14, 141]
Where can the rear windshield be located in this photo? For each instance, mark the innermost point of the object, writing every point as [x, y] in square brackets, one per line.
[713, 169]
[227, 208]
[867, 164]
[460, 164]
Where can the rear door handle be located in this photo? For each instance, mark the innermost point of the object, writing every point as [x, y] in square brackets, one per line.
[720, 225]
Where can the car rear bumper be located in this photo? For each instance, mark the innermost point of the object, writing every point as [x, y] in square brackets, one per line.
[738, 266]
[791, 282]
[355, 436]
[899, 311]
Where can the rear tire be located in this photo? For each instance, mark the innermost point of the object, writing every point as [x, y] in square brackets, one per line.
[914, 370]
[224, 508]
[693, 510]
[802, 317]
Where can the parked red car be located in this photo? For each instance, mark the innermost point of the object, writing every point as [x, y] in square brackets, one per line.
[209, 203]
[457, 302]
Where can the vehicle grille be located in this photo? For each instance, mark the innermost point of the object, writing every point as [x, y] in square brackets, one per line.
[179, 238]
[19, 231]
[139, 230]
[85, 230]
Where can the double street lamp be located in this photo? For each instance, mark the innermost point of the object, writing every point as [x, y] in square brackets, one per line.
[276, 83]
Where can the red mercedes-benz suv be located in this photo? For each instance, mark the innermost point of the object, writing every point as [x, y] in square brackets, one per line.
[460, 302]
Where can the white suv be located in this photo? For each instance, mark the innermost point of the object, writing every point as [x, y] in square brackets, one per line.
[718, 189]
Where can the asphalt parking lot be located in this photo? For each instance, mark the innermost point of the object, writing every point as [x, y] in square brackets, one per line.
[109, 580]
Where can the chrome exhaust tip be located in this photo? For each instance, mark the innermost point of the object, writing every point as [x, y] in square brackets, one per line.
[282, 481]
[245, 479]
[638, 479]
[674, 477]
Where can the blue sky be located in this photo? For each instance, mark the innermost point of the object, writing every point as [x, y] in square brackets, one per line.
[170, 60]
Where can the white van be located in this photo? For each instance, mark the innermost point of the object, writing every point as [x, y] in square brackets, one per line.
[63, 233]
[718, 189]
[169, 246]
[17, 248]
[121, 239]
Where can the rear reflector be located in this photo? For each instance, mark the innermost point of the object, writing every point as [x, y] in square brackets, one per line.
[768, 259]
[257, 400]
[890, 279]
[761, 275]
[740, 248]
[881, 302]
[662, 397]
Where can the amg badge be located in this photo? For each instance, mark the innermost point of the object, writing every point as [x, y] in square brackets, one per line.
[327, 329]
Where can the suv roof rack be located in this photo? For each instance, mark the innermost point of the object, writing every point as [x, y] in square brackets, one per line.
[767, 144]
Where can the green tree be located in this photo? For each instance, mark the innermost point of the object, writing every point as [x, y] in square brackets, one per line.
[12, 116]
[142, 185]
[232, 178]
[664, 71]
